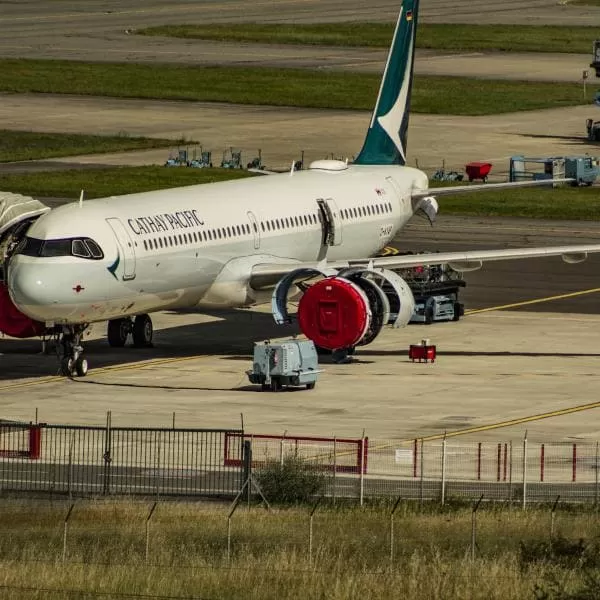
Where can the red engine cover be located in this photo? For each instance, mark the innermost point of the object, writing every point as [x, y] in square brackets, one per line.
[13, 322]
[334, 313]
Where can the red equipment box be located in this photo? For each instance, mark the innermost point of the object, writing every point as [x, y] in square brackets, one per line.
[422, 352]
[478, 170]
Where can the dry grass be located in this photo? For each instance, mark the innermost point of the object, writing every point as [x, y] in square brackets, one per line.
[106, 544]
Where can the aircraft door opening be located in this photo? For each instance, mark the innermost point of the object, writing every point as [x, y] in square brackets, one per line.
[126, 247]
[332, 222]
[255, 229]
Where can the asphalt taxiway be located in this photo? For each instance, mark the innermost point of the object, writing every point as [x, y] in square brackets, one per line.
[492, 366]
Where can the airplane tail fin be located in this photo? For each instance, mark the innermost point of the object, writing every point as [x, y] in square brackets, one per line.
[385, 143]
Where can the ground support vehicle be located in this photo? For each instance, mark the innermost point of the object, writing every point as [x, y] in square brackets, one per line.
[287, 363]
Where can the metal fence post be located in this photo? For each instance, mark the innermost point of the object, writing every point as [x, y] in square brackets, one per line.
[510, 472]
[70, 471]
[392, 530]
[525, 471]
[596, 488]
[107, 454]
[362, 469]
[334, 468]
[66, 526]
[247, 469]
[310, 531]
[553, 516]
[148, 531]
[422, 473]
[443, 494]
[474, 528]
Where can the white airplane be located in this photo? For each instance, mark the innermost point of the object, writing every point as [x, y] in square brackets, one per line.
[239, 243]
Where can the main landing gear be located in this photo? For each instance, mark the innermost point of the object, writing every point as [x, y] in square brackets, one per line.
[140, 329]
[72, 362]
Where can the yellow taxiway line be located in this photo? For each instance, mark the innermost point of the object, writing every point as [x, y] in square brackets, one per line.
[534, 301]
[519, 421]
[102, 370]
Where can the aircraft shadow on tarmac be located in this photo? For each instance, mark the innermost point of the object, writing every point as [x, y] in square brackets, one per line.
[234, 333]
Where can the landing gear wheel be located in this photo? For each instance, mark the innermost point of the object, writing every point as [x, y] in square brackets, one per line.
[142, 332]
[118, 331]
[311, 385]
[66, 367]
[264, 387]
[72, 361]
[275, 385]
[81, 366]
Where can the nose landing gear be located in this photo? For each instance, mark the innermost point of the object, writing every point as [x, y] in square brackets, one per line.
[72, 362]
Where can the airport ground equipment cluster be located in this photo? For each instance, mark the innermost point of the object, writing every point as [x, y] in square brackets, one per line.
[583, 170]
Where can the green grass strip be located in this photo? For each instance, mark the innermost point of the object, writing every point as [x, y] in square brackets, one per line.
[278, 87]
[548, 203]
[111, 181]
[542, 203]
[29, 145]
[509, 38]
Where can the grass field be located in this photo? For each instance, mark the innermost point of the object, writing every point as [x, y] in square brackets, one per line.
[278, 87]
[548, 203]
[510, 38]
[111, 181]
[29, 145]
[188, 552]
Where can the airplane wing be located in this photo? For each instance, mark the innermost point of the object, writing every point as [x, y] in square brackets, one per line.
[463, 189]
[268, 274]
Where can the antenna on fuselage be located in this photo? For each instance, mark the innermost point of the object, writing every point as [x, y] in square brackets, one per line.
[81, 199]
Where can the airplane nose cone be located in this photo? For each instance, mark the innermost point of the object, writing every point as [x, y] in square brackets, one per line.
[29, 291]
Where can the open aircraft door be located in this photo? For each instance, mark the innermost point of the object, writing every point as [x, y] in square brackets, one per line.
[255, 229]
[331, 220]
[126, 247]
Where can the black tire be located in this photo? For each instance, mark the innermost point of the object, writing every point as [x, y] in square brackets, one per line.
[142, 331]
[457, 312]
[81, 367]
[264, 387]
[428, 315]
[66, 367]
[275, 385]
[118, 331]
[311, 385]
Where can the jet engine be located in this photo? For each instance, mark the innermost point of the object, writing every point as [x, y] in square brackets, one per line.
[349, 308]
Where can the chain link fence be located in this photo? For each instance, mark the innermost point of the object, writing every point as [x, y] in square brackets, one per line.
[83, 460]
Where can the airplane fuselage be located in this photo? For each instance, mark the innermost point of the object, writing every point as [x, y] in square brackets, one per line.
[196, 246]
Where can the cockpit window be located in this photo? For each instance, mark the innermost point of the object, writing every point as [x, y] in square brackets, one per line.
[29, 246]
[56, 248]
[79, 247]
[93, 248]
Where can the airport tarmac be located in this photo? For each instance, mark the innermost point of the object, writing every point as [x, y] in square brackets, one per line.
[492, 366]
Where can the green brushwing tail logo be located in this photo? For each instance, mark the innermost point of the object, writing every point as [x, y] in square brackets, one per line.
[385, 143]
[112, 269]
